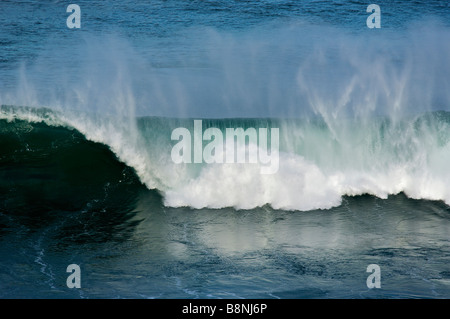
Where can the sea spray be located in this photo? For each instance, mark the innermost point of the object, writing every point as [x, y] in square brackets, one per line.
[350, 108]
[235, 145]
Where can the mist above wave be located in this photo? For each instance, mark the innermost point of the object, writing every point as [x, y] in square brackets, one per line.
[344, 79]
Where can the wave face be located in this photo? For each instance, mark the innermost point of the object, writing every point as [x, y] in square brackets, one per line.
[53, 168]
[318, 164]
[359, 111]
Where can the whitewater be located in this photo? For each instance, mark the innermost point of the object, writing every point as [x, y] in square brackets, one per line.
[360, 177]
[317, 166]
[353, 120]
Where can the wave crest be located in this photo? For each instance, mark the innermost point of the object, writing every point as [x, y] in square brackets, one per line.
[317, 165]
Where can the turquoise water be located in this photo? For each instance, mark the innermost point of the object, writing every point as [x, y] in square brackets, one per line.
[87, 177]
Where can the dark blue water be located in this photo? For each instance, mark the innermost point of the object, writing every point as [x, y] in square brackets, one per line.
[363, 116]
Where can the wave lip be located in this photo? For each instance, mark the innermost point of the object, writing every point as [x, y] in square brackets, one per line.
[318, 164]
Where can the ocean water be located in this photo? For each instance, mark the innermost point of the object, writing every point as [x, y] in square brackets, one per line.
[360, 175]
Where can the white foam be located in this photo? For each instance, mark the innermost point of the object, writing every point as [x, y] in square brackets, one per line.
[297, 185]
[343, 75]
[300, 183]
